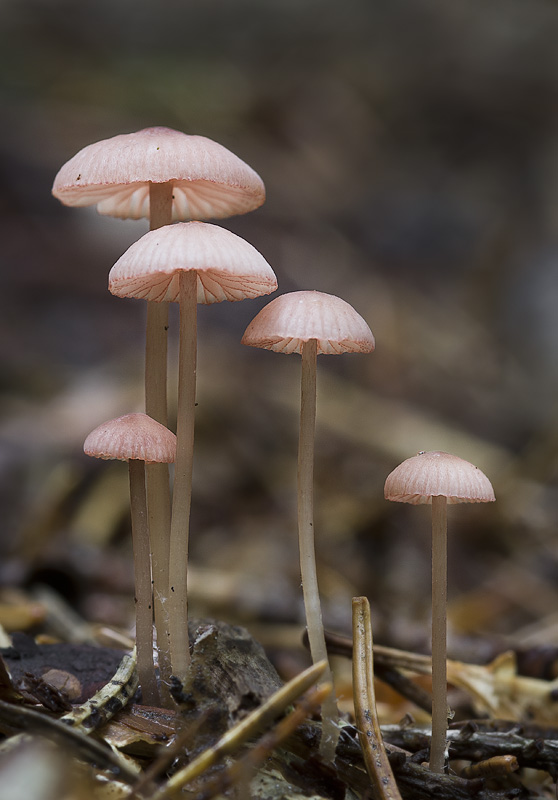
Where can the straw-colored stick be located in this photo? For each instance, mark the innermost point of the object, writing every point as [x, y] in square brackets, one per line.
[370, 736]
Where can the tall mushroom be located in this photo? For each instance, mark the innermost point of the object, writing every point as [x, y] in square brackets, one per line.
[438, 478]
[188, 263]
[310, 323]
[139, 440]
[164, 175]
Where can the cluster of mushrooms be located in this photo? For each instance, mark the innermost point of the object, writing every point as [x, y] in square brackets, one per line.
[176, 180]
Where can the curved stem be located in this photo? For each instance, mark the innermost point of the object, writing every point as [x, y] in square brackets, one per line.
[142, 580]
[182, 493]
[366, 716]
[330, 733]
[439, 654]
[158, 487]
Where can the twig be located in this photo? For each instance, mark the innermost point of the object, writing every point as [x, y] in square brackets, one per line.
[108, 700]
[404, 686]
[89, 749]
[375, 756]
[497, 766]
[384, 656]
[414, 780]
[243, 730]
[385, 659]
[265, 746]
[475, 745]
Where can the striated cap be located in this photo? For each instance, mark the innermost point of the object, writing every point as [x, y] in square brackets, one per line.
[133, 436]
[114, 174]
[228, 267]
[434, 474]
[292, 319]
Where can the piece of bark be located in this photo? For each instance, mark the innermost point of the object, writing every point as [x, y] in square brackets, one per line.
[230, 676]
[228, 668]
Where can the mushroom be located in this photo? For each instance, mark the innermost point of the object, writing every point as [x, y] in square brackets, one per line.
[310, 323]
[164, 175]
[188, 263]
[438, 478]
[139, 440]
[203, 179]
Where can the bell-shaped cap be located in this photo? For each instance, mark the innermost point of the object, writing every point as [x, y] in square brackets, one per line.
[132, 437]
[435, 474]
[228, 267]
[292, 319]
[209, 182]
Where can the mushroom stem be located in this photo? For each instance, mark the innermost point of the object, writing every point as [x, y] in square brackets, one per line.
[160, 214]
[439, 667]
[158, 487]
[142, 573]
[182, 493]
[306, 542]
[160, 204]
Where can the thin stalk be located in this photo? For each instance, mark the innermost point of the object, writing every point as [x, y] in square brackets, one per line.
[142, 581]
[369, 733]
[316, 638]
[182, 493]
[160, 214]
[439, 635]
[158, 487]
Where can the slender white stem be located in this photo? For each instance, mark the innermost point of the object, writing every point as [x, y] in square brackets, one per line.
[439, 635]
[160, 214]
[182, 493]
[156, 361]
[158, 487]
[310, 590]
[142, 575]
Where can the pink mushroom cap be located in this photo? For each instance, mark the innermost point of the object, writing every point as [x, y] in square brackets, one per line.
[433, 474]
[132, 437]
[114, 174]
[228, 267]
[288, 321]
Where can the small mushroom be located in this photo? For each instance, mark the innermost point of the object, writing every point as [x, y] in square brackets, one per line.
[438, 478]
[310, 323]
[139, 440]
[188, 263]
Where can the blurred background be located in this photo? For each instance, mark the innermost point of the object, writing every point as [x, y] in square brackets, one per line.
[410, 157]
